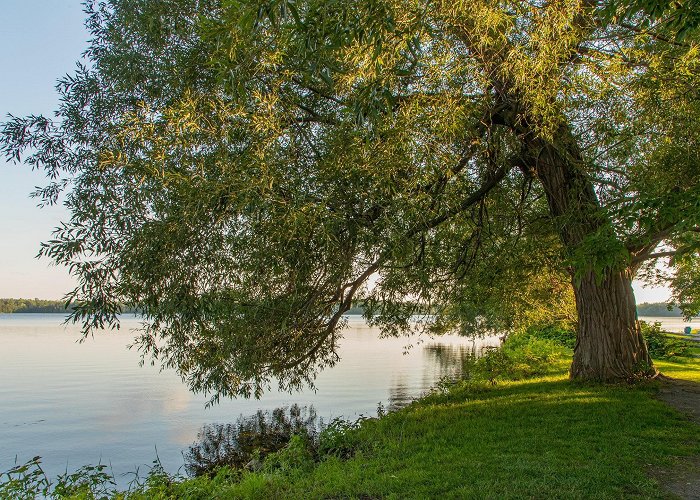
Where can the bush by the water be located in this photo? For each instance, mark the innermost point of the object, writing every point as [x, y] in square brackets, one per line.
[520, 356]
[564, 335]
[284, 438]
[246, 443]
[662, 344]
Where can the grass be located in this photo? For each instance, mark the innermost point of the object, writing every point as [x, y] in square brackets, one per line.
[543, 437]
[538, 438]
[682, 368]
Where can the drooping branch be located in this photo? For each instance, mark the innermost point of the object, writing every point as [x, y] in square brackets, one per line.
[345, 294]
[491, 182]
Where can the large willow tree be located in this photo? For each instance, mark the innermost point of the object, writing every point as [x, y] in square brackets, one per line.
[243, 171]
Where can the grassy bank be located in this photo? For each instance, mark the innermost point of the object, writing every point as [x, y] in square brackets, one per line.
[543, 437]
[538, 437]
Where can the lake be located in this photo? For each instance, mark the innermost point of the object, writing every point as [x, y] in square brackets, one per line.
[76, 404]
[672, 324]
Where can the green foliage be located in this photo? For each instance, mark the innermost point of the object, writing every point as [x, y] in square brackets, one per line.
[679, 17]
[521, 356]
[24, 481]
[661, 344]
[241, 172]
[564, 335]
[248, 441]
[89, 482]
[28, 481]
[163, 486]
[686, 284]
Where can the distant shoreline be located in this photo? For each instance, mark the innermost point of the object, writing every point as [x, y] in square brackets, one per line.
[34, 306]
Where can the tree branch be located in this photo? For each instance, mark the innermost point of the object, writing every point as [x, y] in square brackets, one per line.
[655, 36]
[476, 197]
[657, 255]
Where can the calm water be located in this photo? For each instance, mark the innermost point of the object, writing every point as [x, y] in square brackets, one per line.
[76, 404]
[672, 324]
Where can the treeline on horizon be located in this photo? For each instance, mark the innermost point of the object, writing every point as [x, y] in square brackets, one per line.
[59, 306]
[657, 309]
[33, 306]
[38, 306]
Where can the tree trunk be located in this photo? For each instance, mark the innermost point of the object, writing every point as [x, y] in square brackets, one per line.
[609, 343]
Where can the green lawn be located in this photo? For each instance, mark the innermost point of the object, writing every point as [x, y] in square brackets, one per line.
[538, 438]
[685, 368]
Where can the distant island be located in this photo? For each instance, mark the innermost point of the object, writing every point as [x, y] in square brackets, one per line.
[33, 306]
[658, 309]
[40, 306]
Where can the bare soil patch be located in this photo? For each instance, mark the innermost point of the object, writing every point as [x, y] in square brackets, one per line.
[683, 479]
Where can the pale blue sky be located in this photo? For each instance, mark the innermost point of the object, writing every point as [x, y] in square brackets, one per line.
[41, 40]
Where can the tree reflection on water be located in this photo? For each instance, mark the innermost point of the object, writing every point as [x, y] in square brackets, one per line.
[444, 361]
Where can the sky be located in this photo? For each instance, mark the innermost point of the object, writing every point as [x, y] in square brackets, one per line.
[41, 40]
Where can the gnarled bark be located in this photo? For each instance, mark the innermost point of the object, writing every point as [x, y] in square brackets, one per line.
[609, 345]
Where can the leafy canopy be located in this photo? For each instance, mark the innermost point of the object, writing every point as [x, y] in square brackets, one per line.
[243, 171]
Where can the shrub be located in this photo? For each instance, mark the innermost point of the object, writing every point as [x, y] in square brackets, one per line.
[296, 455]
[562, 335]
[339, 438]
[246, 443]
[519, 357]
[661, 344]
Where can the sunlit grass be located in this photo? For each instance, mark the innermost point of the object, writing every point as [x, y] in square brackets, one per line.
[682, 368]
[539, 438]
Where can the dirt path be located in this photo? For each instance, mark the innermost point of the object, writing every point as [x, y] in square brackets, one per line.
[682, 480]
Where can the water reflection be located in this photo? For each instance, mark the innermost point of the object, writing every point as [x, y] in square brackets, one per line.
[76, 404]
[444, 359]
[399, 396]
